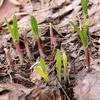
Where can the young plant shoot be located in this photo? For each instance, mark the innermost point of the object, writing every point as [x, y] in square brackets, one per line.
[26, 44]
[83, 34]
[52, 38]
[43, 70]
[15, 36]
[51, 34]
[9, 59]
[34, 27]
[58, 64]
[65, 66]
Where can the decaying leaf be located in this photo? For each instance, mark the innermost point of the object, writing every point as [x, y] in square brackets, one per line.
[23, 0]
[15, 2]
[57, 96]
[19, 95]
[1, 2]
[10, 9]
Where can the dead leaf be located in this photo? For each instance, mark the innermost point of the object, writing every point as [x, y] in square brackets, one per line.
[57, 96]
[23, 0]
[88, 86]
[4, 39]
[41, 94]
[4, 96]
[1, 2]
[19, 95]
[13, 86]
[15, 2]
[35, 75]
[7, 10]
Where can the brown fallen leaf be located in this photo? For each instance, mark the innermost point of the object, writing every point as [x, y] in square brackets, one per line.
[57, 96]
[41, 94]
[15, 2]
[7, 10]
[19, 95]
[23, 0]
[34, 75]
[1, 2]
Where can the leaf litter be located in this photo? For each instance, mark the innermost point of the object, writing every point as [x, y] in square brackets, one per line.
[21, 84]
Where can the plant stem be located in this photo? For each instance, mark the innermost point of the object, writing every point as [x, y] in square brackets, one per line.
[87, 51]
[19, 51]
[87, 58]
[40, 48]
[26, 46]
[10, 61]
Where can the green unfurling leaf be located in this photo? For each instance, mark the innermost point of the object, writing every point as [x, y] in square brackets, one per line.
[85, 6]
[58, 64]
[64, 60]
[34, 26]
[45, 76]
[76, 29]
[15, 29]
[82, 34]
[43, 65]
[9, 27]
[65, 66]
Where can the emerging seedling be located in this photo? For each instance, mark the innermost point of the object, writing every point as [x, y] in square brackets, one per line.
[9, 59]
[15, 36]
[26, 44]
[58, 64]
[34, 27]
[43, 70]
[65, 66]
[83, 34]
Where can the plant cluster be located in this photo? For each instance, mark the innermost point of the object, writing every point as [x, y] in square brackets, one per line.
[61, 59]
[83, 34]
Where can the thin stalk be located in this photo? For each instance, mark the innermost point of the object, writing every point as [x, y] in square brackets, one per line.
[40, 48]
[26, 46]
[10, 61]
[19, 51]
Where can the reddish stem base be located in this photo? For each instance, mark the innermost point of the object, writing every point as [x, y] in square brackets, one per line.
[40, 48]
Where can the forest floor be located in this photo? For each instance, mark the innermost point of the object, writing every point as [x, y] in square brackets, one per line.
[25, 83]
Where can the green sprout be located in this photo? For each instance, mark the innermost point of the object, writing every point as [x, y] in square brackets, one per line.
[15, 36]
[83, 34]
[43, 70]
[58, 64]
[65, 65]
[26, 44]
[34, 27]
